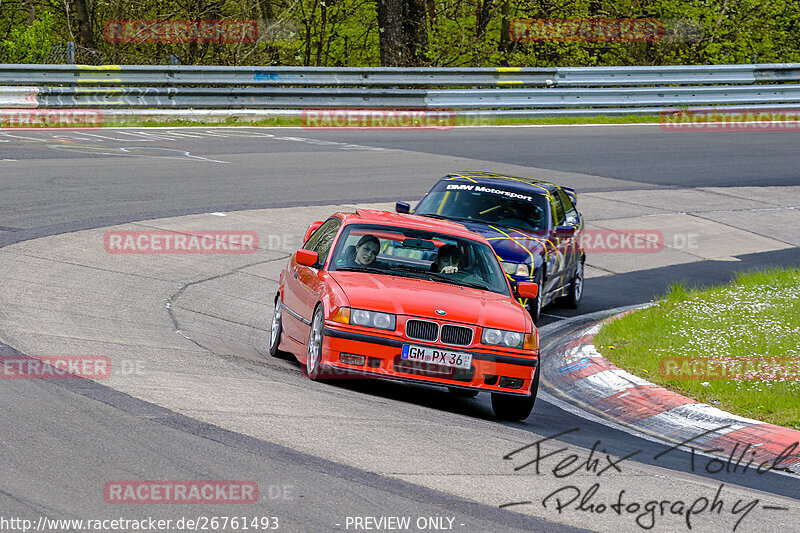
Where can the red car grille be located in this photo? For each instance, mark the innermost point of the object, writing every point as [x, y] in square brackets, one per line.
[457, 335]
[422, 330]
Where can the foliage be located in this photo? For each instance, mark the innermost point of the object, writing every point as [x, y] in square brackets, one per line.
[346, 32]
[28, 44]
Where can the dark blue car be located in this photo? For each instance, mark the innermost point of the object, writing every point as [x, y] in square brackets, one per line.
[532, 225]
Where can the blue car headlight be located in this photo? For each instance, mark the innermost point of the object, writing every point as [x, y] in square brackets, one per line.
[516, 269]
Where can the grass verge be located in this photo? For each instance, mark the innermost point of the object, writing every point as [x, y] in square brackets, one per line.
[735, 346]
[279, 121]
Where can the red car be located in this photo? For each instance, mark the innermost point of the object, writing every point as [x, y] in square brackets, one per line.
[398, 296]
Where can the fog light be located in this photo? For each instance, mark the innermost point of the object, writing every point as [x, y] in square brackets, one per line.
[352, 359]
[511, 383]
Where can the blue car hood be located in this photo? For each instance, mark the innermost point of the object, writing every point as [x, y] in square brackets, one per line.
[515, 246]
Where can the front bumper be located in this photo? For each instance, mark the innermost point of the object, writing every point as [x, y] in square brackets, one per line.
[490, 371]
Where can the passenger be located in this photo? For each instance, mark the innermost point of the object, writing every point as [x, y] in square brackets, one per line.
[448, 259]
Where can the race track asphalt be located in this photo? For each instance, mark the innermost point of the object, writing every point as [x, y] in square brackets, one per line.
[60, 444]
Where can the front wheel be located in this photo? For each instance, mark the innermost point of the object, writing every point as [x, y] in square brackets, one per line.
[507, 407]
[314, 347]
[573, 297]
[276, 331]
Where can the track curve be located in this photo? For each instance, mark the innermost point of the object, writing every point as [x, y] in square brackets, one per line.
[212, 304]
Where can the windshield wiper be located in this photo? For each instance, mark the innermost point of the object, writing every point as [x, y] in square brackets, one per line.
[416, 273]
[447, 279]
[363, 269]
[480, 286]
[442, 217]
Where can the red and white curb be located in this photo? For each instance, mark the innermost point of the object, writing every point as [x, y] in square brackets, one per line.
[581, 373]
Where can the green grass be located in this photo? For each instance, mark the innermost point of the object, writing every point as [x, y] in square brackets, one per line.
[278, 121]
[756, 316]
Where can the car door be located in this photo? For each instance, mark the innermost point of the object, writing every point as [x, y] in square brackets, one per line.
[573, 219]
[303, 287]
[563, 243]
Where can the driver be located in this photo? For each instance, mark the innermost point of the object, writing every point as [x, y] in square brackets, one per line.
[448, 259]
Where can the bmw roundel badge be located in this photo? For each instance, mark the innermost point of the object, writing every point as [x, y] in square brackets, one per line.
[441, 312]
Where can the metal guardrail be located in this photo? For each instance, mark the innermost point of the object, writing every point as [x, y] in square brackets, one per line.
[514, 91]
[177, 75]
[304, 97]
[295, 76]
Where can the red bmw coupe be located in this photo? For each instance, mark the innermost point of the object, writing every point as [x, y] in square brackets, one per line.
[404, 297]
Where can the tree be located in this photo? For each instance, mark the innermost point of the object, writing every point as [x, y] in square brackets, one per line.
[403, 26]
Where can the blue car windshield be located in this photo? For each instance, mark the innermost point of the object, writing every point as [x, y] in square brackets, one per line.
[488, 205]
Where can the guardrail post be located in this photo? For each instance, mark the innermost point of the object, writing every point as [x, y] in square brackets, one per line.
[70, 53]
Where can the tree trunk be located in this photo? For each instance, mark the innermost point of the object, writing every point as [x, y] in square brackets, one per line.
[31, 12]
[484, 14]
[84, 20]
[390, 25]
[322, 32]
[415, 27]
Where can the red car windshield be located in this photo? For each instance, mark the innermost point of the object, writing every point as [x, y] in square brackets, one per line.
[406, 252]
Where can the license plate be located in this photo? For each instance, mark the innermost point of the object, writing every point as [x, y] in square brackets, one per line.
[437, 356]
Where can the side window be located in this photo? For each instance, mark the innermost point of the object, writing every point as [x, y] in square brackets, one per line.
[570, 212]
[559, 210]
[322, 239]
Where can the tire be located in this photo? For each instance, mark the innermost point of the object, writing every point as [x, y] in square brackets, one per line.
[314, 346]
[518, 408]
[535, 305]
[276, 331]
[462, 393]
[575, 293]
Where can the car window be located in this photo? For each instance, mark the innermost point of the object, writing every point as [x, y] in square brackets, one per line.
[322, 239]
[559, 210]
[570, 213]
[487, 205]
[414, 253]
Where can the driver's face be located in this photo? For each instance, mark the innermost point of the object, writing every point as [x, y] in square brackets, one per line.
[366, 253]
[448, 261]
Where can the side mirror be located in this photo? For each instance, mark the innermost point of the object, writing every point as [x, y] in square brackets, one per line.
[565, 231]
[527, 289]
[307, 257]
[402, 207]
[312, 228]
